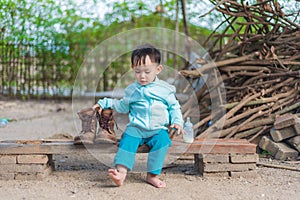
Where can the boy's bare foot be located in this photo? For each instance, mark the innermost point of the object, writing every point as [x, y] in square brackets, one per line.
[155, 181]
[117, 176]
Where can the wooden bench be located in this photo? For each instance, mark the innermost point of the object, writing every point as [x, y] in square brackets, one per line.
[24, 159]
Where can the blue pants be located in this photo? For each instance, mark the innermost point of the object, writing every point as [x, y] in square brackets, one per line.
[158, 144]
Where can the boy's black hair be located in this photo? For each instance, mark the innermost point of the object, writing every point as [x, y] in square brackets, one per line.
[138, 55]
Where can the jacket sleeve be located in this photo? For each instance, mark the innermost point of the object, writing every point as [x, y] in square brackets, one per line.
[175, 114]
[167, 93]
[120, 105]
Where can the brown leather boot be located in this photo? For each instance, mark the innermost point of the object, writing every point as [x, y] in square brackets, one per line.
[89, 126]
[106, 123]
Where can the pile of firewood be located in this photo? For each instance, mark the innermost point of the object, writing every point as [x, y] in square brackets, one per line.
[259, 65]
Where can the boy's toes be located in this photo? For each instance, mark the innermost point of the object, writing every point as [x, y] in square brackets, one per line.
[117, 177]
[156, 182]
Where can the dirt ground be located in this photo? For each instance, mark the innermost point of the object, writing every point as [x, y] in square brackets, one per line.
[85, 177]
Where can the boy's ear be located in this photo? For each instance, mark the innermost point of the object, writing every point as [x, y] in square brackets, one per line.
[159, 68]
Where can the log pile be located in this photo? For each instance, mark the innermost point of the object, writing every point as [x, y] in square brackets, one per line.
[257, 57]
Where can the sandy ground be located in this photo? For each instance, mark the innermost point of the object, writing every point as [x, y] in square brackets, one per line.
[84, 177]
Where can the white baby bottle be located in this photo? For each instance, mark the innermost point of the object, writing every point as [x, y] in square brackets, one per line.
[188, 137]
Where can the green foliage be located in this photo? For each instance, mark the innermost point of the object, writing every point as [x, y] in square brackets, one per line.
[58, 34]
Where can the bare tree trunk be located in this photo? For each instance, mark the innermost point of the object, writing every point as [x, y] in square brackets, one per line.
[185, 25]
[186, 31]
[176, 35]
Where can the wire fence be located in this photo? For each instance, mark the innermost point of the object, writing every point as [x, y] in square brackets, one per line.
[48, 71]
[32, 70]
[42, 71]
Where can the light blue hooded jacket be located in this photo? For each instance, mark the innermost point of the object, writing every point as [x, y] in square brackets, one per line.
[151, 107]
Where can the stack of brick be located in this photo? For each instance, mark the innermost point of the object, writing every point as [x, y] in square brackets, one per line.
[25, 167]
[227, 165]
[284, 140]
[213, 157]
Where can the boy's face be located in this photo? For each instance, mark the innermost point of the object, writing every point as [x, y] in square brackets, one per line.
[146, 74]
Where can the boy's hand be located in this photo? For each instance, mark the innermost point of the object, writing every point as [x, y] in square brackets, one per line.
[174, 128]
[97, 107]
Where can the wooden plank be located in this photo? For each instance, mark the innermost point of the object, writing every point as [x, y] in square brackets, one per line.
[220, 146]
[53, 148]
[37, 141]
[213, 146]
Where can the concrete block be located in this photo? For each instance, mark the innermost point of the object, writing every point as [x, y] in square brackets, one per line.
[285, 152]
[12, 168]
[285, 120]
[267, 144]
[32, 159]
[244, 158]
[279, 150]
[7, 159]
[7, 176]
[214, 158]
[34, 175]
[294, 142]
[201, 159]
[282, 134]
[225, 167]
[244, 174]
[297, 127]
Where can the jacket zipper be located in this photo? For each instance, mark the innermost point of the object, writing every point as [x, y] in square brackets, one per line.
[149, 107]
